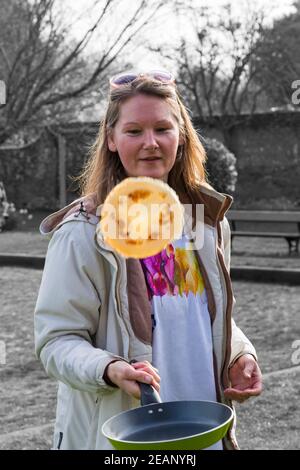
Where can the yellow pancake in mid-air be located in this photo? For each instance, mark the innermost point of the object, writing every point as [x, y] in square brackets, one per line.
[140, 216]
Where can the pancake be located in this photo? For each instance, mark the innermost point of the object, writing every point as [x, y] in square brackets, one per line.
[140, 216]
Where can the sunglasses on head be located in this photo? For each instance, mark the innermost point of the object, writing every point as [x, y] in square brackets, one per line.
[129, 77]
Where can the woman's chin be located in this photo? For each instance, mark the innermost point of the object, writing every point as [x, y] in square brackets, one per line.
[151, 174]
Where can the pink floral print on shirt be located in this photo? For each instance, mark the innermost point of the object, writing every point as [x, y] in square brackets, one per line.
[173, 271]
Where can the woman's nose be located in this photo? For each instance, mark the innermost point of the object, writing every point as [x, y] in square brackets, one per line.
[150, 141]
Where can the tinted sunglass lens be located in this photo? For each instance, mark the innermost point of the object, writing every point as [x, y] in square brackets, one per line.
[158, 75]
[162, 76]
[123, 79]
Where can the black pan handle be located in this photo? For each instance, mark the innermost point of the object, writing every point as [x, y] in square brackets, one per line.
[148, 394]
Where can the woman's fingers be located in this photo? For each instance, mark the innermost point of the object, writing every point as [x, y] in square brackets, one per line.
[155, 385]
[131, 386]
[126, 376]
[148, 378]
[147, 367]
[240, 395]
[150, 371]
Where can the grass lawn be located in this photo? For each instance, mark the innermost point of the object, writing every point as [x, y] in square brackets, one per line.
[267, 313]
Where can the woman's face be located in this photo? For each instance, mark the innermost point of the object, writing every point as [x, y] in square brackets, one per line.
[146, 137]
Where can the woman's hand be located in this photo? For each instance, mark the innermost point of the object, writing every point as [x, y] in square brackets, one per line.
[246, 379]
[126, 376]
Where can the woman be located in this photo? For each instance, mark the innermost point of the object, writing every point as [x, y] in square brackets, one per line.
[97, 311]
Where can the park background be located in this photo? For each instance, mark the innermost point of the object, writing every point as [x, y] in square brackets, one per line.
[237, 66]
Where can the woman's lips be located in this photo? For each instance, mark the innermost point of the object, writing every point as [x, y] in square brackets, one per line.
[150, 159]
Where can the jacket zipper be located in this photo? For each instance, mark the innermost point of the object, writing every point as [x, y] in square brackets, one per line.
[220, 395]
[118, 277]
[227, 322]
[229, 441]
[230, 437]
[225, 306]
[117, 287]
[61, 435]
[208, 287]
[117, 290]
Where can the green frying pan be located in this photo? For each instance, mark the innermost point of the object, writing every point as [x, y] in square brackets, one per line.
[174, 425]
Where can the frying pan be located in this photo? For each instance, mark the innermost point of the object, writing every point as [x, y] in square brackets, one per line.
[174, 425]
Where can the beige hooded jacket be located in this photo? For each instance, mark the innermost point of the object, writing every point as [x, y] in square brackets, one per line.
[89, 312]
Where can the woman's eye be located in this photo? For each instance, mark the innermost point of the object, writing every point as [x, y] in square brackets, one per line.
[133, 131]
[162, 129]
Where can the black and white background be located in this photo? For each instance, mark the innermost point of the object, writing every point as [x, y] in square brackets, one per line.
[237, 67]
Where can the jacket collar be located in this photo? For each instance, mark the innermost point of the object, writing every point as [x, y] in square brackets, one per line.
[215, 204]
[215, 207]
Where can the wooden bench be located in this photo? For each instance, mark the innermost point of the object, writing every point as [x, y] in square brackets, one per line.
[273, 224]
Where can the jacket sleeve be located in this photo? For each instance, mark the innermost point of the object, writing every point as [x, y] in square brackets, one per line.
[67, 314]
[240, 344]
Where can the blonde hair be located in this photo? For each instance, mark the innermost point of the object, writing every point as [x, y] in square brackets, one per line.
[103, 169]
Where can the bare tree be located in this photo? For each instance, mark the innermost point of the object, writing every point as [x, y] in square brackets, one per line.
[46, 71]
[214, 69]
[277, 63]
